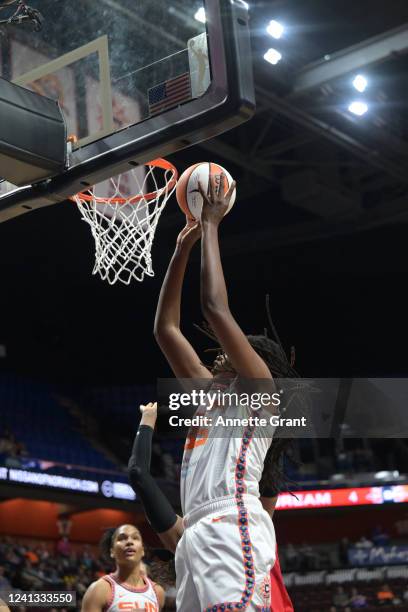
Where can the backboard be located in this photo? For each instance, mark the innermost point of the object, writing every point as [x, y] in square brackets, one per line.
[107, 60]
[135, 80]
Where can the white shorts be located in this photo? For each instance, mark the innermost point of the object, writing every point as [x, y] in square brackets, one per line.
[224, 557]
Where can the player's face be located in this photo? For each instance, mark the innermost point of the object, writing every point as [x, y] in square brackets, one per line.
[127, 547]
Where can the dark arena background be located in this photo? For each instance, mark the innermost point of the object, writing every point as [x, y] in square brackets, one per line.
[321, 225]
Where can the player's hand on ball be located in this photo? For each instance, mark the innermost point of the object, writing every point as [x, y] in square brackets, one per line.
[190, 233]
[215, 203]
[149, 414]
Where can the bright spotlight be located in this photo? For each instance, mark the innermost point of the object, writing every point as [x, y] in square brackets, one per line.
[273, 56]
[200, 15]
[275, 29]
[358, 108]
[360, 83]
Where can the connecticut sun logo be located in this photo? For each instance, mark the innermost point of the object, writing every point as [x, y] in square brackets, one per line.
[265, 592]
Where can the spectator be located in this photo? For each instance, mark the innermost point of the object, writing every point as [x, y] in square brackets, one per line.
[6, 441]
[43, 552]
[344, 462]
[292, 557]
[69, 582]
[364, 543]
[82, 582]
[340, 599]
[21, 450]
[169, 468]
[386, 596]
[86, 558]
[29, 578]
[4, 582]
[379, 537]
[363, 460]
[31, 556]
[343, 551]
[11, 558]
[64, 524]
[6, 446]
[405, 595]
[12, 460]
[309, 557]
[357, 600]
[64, 547]
[13, 450]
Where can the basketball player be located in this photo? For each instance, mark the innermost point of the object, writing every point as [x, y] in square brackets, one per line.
[224, 557]
[128, 587]
[168, 526]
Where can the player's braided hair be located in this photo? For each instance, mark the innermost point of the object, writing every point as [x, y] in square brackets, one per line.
[280, 366]
[273, 475]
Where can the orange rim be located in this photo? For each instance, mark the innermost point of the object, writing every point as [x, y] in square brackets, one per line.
[157, 163]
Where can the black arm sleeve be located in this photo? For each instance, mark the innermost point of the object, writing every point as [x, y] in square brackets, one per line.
[157, 507]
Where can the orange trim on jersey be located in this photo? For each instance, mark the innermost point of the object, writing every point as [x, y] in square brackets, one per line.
[111, 582]
[154, 585]
[199, 438]
[128, 587]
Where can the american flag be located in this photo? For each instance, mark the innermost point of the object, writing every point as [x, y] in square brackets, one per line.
[169, 93]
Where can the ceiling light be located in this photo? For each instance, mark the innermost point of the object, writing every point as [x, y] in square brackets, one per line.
[275, 29]
[358, 108]
[272, 56]
[360, 83]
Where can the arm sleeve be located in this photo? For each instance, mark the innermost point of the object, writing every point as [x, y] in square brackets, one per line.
[158, 509]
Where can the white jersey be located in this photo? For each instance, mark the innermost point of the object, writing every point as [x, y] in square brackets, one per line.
[223, 461]
[126, 598]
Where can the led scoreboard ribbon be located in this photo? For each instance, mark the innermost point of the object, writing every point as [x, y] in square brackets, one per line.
[332, 498]
[319, 498]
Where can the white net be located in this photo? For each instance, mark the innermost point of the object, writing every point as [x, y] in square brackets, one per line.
[123, 225]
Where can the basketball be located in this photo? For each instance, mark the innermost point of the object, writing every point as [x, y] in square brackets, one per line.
[187, 193]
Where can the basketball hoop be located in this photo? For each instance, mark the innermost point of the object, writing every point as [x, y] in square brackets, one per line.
[123, 225]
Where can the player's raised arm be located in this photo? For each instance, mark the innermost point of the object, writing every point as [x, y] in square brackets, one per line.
[214, 297]
[159, 512]
[181, 356]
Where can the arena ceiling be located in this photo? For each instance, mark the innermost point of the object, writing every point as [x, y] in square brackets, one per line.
[320, 223]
